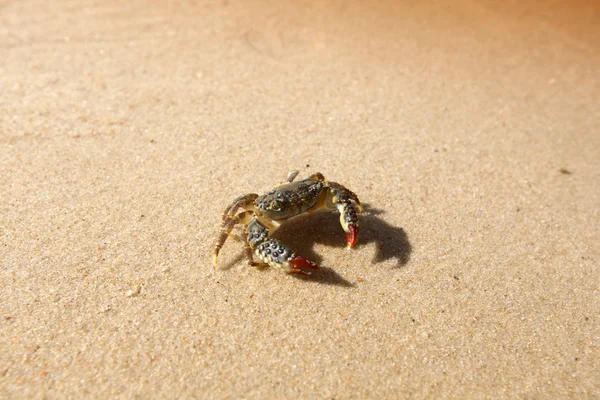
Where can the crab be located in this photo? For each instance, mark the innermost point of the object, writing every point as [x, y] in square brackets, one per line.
[262, 215]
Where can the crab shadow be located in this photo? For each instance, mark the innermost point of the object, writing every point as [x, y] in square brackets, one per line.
[325, 275]
[304, 232]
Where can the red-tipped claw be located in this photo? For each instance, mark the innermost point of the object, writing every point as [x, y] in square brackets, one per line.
[301, 262]
[351, 236]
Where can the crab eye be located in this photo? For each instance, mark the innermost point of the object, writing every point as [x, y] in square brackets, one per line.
[276, 205]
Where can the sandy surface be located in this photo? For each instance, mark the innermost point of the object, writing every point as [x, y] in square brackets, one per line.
[471, 131]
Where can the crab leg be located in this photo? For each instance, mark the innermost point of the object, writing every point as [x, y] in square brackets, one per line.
[246, 201]
[248, 251]
[275, 253]
[242, 218]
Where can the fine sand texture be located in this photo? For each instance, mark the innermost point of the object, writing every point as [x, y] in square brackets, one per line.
[470, 131]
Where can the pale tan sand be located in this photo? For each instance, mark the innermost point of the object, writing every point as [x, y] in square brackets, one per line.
[126, 128]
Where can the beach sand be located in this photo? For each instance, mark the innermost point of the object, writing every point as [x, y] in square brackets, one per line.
[470, 132]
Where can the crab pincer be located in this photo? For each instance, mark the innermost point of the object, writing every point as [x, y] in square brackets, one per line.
[301, 262]
[276, 254]
[351, 236]
[348, 218]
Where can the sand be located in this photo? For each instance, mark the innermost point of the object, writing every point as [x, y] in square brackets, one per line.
[470, 131]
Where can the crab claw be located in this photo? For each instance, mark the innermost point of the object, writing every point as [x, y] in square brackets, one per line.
[351, 236]
[301, 262]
